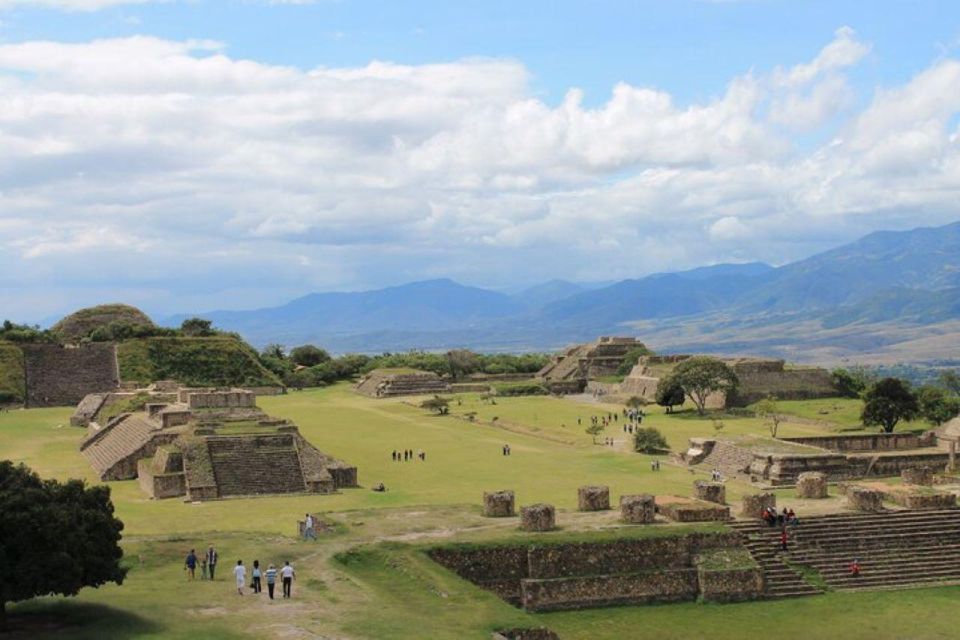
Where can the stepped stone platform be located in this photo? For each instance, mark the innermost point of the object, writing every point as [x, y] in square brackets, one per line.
[174, 450]
[59, 376]
[387, 383]
[782, 461]
[897, 549]
[570, 371]
[551, 576]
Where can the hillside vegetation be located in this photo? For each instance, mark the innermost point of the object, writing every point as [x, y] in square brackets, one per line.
[11, 373]
[194, 361]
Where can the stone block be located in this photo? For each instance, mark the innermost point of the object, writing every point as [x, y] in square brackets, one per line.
[812, 485]
[538, 517]
[752, 506]
[498, 504]
[917, 475]
[638, 509]
[710, 491]
[593, 498]
[864, 499]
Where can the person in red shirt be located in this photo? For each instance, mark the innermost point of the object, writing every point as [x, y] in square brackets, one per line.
[783, 538]
[855, 567]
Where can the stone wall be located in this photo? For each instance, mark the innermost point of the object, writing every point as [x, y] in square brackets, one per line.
[498, 504]
[753, 506]
[57, 376]
[159, 485]
[234, 398]
[638, 509]
[758, 382]
[538, 517]
[593, 498]
[812, 485]
[864, 499]
[690, 510]
[861, 443]
[731, 585]
[917, 475]
[576, 575]
[715, 492]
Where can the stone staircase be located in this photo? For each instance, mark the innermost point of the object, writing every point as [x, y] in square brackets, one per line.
[254, 466]
[895, 549]
[730, 459]
[780, 580]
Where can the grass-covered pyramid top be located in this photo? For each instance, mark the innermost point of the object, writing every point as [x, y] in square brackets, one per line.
[85, 322]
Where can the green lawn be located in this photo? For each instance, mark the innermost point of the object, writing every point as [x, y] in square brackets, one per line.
[388, 589]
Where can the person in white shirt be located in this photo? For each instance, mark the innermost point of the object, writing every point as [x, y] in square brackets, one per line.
[240, 572]
[287, 574]
[308, 528]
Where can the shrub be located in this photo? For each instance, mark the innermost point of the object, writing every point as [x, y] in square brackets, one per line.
[649, 440]
[520, 389]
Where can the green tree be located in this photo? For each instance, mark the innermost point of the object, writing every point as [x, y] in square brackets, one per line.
[851, 383]
[461, 363]
[670, 393]
[950, 379]
[55, 538]
[635, 402]
[631, 358]
[649, 440]
[308, 355]
[887, 402]
[593, 430]
[274, 350]
[702, 376]
[767, 409]
[936, 407]
[440, 405]
[196, 327]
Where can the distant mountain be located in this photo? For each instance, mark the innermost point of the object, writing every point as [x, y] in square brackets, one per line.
[858, 298]
[539, 295]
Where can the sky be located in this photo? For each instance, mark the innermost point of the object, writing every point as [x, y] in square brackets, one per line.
[190, 155]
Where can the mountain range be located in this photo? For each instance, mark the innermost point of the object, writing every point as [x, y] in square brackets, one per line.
[858, 300]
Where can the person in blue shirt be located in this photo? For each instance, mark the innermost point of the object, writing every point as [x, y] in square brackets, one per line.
[191, 564]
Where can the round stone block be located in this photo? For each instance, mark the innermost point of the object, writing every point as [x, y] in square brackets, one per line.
[812, 484]
[498, 504]
[710, 491]
[593, 498]
[753, 506]
[638, 509]
[538, 517]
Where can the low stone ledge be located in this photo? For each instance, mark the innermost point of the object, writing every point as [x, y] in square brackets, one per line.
[921, 475]
[498, 504]
[730, 585]
[689, 510]
[538, 517]
[638, 509]
[593, 498]
[753, 506]
[526, 633]
[864, 499]
[812, 485]
[715, 492]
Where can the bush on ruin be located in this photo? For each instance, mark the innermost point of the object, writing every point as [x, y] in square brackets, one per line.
[441, 406]
[631, 358]
[309, 355]
[649, 440]
[702, 376]
[670, 393]
[55, 538]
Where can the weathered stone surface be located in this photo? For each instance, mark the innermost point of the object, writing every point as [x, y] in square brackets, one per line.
[731, 585]
[710, 491]
[918, 475]
[752, 506]
[525, 633]
[593, 498]
[864, 499]
[61, 376]
[689, 510]
[638, 509]
[498, 504]
[609, 590]
[812, 485]
[913, 499]
[538, 517]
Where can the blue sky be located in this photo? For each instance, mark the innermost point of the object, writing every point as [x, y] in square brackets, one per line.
[189, 155]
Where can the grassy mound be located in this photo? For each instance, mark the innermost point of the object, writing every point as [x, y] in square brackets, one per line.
[82, 323]
[11, 373]
[201, 362]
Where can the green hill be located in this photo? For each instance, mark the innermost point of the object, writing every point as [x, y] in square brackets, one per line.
[11, 373]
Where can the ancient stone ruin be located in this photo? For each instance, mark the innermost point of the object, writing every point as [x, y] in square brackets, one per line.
[710, 491]
[498, 504]
[570, 371]
[864, 499]
[56, 375]
[593, 498]
[680, 509]
[638, 509]
[538, 517]
[922, 476]
[812, 485]
[630, 571]
[753, 506]
[206, 444]
[387, 383]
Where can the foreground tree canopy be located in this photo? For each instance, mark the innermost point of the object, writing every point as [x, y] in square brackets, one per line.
[887, 402]
[55, 538]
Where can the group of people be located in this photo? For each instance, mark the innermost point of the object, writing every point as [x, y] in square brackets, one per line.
[654, 465]
[208, 566]
[716, 475]
[608, 442]
[505, 449]
[635, 416]
[408, 454]
[787, 518]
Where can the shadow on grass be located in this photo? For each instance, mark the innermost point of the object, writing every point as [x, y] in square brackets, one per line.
[73, 620]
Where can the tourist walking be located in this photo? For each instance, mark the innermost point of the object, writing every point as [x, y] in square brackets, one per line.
[308, 528]
[271, 575]
[240, 572]
[783, 539]
[211, 560]
[256, 577]
[191, 564]
[203, 569]
[287, 574]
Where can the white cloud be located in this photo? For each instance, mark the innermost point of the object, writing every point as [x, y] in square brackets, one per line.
[160, 165]
[70, 5]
